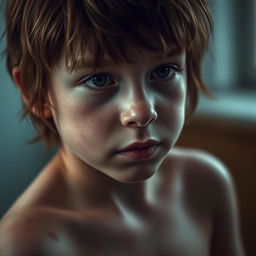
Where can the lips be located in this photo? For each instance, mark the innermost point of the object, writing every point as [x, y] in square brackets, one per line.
[139, 150]
[140, 145]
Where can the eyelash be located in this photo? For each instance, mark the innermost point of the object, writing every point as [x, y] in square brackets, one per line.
[176, 70]
[84, 81]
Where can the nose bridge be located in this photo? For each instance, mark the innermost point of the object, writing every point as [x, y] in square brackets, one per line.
[139, 104]
[138, 94]
[137, 91]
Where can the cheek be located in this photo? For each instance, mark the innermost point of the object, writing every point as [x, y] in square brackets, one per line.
[172, 116]
[81, 125]
[173, 106]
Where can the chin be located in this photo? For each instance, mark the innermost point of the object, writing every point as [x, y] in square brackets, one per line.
[137, 176]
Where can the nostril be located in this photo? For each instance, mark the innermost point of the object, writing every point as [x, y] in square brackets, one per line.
[132, 124]
[139, 117]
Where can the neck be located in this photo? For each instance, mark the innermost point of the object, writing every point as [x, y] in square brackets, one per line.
[90, 188]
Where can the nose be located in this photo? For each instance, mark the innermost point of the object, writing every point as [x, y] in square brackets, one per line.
[139, 114]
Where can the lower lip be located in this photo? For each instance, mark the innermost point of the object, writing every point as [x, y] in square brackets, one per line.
[140, 154]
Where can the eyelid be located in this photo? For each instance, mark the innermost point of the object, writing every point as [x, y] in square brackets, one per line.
[82, 82]
[176, 67]
[87, 77]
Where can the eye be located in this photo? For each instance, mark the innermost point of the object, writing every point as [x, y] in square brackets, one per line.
[165, 72]
[97, 81]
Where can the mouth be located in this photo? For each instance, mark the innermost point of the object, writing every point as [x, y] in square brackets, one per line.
[140, 150]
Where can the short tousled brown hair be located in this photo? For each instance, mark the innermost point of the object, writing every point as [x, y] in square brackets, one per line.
[40, 31]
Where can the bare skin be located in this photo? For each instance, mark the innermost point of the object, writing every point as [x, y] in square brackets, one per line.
[169, 214]
[98, 197]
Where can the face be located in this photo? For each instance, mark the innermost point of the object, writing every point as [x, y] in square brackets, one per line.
[121, 119]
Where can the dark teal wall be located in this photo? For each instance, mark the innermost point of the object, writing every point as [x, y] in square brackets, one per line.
[19, 163]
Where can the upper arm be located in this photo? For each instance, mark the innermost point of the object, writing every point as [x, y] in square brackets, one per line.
[212, 193]
[19, 238]
[14, 244]
[226, 231]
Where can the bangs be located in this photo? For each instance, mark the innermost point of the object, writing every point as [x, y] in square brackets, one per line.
[41, 32]
[107, 28]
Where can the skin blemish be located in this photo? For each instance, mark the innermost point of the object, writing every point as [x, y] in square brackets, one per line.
[53, 236]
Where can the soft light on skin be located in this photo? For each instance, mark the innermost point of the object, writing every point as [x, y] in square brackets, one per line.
[129, 217]
[96, 123]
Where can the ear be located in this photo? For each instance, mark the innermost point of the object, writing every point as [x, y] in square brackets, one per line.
[17, 79]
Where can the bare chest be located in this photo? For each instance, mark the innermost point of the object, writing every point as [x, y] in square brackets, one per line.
[169, 233]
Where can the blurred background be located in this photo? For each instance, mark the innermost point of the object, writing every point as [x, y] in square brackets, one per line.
[225, 126]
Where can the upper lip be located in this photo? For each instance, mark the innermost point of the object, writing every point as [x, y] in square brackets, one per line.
[140, 145]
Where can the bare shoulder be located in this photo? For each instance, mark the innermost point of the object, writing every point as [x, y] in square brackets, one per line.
[201, 172]
[205, 178]
[199, 167]
[25, 232]
[201, 161]
[209, 188]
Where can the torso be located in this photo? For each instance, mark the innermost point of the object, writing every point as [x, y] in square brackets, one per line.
[165, 230]
[161, 234]
[172, 224]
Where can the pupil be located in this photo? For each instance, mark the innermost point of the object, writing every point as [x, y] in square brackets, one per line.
[99, 80]
[163, 71]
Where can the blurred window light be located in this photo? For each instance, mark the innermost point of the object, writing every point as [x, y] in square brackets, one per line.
[231, 61]
[229, 68]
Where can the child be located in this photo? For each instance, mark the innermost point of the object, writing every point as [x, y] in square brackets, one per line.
[112, 83]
